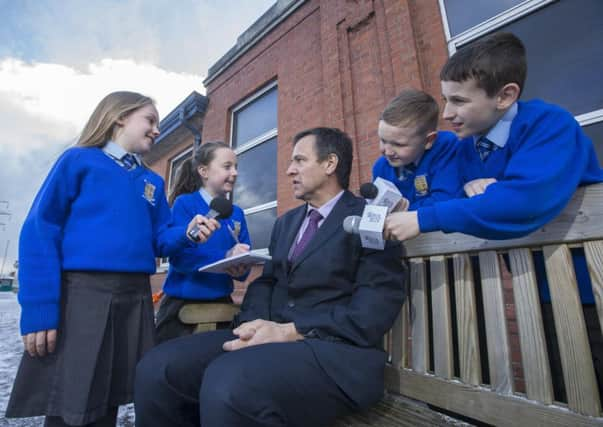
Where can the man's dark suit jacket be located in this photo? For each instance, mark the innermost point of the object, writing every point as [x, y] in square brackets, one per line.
[342, 297]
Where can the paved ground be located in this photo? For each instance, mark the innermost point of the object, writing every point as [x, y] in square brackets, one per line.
[11, 348]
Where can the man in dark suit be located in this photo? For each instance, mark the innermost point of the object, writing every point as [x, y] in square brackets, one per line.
[306, 347]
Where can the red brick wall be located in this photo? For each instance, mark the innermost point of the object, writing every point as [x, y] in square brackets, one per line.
[337, 63]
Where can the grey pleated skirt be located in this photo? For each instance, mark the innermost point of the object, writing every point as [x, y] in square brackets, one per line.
[106, 326]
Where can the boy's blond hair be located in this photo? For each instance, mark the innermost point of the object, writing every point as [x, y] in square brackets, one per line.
[412, 108]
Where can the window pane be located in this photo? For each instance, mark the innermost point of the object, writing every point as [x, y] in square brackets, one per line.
[255, 119]
[256, 183]
[595, 133]
[464, 14]
[565, 54]
[260, 226]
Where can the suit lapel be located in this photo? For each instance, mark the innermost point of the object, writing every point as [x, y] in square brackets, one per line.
[332, 224]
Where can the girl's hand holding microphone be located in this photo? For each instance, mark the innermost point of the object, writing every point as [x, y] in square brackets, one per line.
[201, 228]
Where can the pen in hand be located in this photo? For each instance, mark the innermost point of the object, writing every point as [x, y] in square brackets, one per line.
[233, 234]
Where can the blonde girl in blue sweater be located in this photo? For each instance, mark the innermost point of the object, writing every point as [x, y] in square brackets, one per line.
[86, 250]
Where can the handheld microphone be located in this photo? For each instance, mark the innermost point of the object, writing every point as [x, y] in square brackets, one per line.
[351, 224]
[369, 191]
[369, 226]
[219, 208]
[388, 194]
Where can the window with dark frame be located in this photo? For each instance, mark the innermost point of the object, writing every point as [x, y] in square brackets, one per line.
[562, 39]
[254, 136]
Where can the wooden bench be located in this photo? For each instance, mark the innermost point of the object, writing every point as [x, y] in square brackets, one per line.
[442, 266]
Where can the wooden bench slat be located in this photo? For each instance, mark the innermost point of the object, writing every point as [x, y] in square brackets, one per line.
[581, 219]
[399, 342]
[536, 367]
[466, 320]
[482, 404]
[499, 362]
[442, 323]
[594, 260]
[398, 411]
[576, 360]
[419, 317]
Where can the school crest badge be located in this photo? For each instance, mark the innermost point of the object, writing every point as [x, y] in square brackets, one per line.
[237, 228]
[421, 185]
[149, 192]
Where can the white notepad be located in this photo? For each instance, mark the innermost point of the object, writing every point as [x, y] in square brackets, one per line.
[247, 258]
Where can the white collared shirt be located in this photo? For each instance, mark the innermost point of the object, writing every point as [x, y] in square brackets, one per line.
[117, 153]
[324, 211]
[207, 198]
[499, 134]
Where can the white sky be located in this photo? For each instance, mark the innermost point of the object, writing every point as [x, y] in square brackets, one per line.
[58, 58]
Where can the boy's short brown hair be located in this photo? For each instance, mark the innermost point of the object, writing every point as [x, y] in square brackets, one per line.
[412, 108]
[492, 62]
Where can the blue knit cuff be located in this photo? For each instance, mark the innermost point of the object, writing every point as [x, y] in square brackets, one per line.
[39, 317]
[428, 220]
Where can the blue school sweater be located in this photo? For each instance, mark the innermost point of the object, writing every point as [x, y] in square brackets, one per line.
[183, 279]
[90, 215]
[547, 156]
[436, 178]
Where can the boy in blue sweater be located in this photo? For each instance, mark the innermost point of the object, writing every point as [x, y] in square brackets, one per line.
[521, 160]
[417, 159]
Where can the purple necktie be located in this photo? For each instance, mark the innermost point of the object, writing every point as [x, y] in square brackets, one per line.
[313, 220]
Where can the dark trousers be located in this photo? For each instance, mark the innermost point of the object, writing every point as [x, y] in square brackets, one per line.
[190, 381]
[106, 421]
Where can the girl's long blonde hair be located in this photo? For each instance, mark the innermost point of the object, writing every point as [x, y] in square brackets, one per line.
[101, 124]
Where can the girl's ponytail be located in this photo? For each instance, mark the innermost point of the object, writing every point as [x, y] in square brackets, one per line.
[187, 180]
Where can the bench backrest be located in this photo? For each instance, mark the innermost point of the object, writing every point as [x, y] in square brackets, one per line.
[452, 273]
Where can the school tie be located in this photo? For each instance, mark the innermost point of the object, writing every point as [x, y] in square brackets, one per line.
[129, 161]
[314, 218]
[484, 147]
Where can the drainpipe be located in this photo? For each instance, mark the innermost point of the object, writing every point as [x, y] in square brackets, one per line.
[191, 128]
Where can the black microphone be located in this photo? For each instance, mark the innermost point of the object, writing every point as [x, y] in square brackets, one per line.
[219, 208]
[368, 190]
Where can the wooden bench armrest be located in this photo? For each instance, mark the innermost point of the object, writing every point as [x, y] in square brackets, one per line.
[192, 314]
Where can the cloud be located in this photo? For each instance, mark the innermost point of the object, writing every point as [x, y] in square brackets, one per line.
[28, 147]
[66, 95]
[184, 36]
